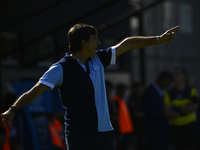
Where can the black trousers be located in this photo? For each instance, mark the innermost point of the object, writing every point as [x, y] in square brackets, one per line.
[90, 141]
[183, 137]
[157, 141]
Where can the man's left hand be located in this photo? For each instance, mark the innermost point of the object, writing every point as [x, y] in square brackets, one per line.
[168, 36]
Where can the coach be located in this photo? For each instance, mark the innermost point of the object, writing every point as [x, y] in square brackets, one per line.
[80, 78]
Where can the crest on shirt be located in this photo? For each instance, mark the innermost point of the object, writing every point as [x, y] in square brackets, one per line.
[95, 67]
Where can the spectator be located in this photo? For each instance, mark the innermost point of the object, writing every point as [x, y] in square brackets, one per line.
[6, 144]
[156, 124]
[2, 138]
[56, 131]
[11, 133]
[113, 109]
[125, 125]
[135, 104]
[191, 83]
[181, 102]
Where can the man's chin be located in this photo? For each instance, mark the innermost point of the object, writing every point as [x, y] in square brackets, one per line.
[94, 54]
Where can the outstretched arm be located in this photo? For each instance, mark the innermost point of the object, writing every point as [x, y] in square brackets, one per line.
[23, 100]
[191, 107]
[137, 42]
[169, 112]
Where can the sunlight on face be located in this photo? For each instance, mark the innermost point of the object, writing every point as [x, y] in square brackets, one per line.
[92, 44]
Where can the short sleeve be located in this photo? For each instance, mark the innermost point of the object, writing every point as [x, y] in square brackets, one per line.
[166, 98]
[107, 56]
[53, 76]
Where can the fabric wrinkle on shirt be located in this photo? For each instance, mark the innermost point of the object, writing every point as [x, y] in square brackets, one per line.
[54, 77]
[158, 89]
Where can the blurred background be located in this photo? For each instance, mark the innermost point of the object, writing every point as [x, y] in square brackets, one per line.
[33, 35]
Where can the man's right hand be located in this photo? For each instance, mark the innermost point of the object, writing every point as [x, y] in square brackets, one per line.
[7, 116]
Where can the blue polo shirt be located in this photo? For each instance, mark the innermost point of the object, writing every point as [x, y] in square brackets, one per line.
[95, 70]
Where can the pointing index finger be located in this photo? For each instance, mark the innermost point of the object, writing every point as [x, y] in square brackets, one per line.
[173, 29]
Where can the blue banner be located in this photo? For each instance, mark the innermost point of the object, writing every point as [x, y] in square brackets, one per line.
[48, 101]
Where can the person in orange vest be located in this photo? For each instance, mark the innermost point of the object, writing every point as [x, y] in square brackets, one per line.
[113, 110]
[125, 125]
[5, 103]
[2, 138]
[11, 133]
[56, 131]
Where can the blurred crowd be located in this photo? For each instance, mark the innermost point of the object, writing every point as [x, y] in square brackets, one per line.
[162, 116]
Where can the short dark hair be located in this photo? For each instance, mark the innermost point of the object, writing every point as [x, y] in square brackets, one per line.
[165, 75]
[77, 33]
[183, 71]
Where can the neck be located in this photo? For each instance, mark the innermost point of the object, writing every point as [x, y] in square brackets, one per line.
[81, 56]
[180, 86]
[158, 84]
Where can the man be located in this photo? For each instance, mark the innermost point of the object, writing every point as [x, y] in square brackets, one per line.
[136, 108]
[181, 102]
[80, 78]
[155, 122]
[113, 110]
[125, 125]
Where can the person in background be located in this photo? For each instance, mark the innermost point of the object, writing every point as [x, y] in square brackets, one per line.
[2, 138]
[191, 83]
[112, 105]
[156, 124]
[5, 144]
[113, 109]
[136, 108]
[181, 103]
[56, 132]
[125, 125]
[11, 131]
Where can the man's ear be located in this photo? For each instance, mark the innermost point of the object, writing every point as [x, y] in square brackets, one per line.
[84, 43]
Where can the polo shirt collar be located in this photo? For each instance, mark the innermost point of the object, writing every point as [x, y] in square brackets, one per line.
[68, 56]
[158, 89]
